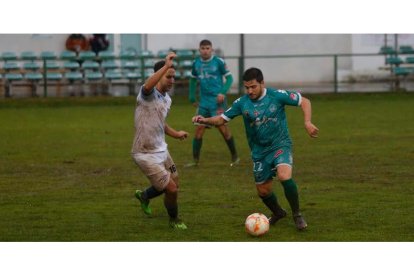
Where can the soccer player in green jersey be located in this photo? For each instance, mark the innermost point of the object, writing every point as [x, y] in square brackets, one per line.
[263, 111]
[209, 70]
[149, 149]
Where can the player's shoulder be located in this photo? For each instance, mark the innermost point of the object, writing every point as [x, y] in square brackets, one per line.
[218, 59]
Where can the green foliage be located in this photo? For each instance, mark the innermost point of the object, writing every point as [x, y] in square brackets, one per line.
[66, 173]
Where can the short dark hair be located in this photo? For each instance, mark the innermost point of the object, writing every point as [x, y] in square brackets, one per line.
[253, 74]
[159, 65]
[205, 42]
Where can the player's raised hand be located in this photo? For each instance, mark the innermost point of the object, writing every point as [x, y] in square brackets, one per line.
[169, 58]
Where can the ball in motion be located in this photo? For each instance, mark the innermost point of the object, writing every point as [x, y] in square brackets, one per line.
[257, 224]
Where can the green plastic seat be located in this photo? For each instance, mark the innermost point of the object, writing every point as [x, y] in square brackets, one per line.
[409, 60]
[133, 75]
[109, 64]
[28, 55]
[31, 66]
[146, 53]
[127, 54]
[71, 65]
[131, 65]
[73, 76]
[7, 56]
[13, 76]
[186, 63]
[34, 76]
[162, 53]
[394, 60]
[113, 75]
[93, 76]
[406, 49]
[387, 50]
[51, 64]
[87, 55]
[54, 76]
[48, 55]
[68, 55]
[185, 53]
[402, 71]
[187, 74]
[10, 66]
[149, 63]
[89, 64]
[106, 55]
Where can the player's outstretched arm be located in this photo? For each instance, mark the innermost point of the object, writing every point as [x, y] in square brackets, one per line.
[215, 121]
[307, 116]
[178, 134]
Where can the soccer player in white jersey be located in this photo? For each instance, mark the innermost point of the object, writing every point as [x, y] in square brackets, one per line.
[149, 149]
[263, 112]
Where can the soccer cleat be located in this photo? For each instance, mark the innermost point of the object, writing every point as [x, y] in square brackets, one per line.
[177, 224]
[300, 221]
[235, 162]
[190, 165]
[275, 217]
[144, 203]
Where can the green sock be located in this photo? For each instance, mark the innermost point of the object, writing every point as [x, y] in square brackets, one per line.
[232, 148]
[270, 201]
[291, 193]
[197, 143]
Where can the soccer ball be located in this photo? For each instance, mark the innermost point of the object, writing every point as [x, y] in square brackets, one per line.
[257, 224]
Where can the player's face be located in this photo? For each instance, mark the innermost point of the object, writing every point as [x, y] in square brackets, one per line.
[254, 89]
[167, 81]
[205, 51]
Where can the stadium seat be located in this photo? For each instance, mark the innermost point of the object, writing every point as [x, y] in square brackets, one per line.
[401, 71]
[31, 66]
[387, 50]
[93, 76]
[7, 56]
[149, 63]
[409, 60]
[186, 63]
[71, 65]
[113, 75]
[48, 55]
[73, 76]
[11, 66]
[127, 54]
[133, 75]
[187, 74]
[162, 53]
[90, 65]
[131, 65]
[146, 53]
[28, 55]
[406, 49]
[393, 60]
[51, 64]
[109, 64]
[87, 55]
[54, 76]
[106, 55]
[185, 54]
[68, 55]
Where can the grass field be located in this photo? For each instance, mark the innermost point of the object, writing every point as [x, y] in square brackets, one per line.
[66, 173]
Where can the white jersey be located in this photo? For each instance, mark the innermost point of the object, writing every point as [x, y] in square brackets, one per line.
[150, 113]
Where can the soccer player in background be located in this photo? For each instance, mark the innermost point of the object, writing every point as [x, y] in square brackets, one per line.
[263, 111]
[209, 70]
[149, 149]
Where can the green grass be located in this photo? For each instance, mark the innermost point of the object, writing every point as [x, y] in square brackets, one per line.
[66, 173]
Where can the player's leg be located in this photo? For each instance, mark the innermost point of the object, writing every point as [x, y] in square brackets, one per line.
[171, 195]
[152, 165]
[228, 137]
[284, 174]
[198, 138]
[263, 177]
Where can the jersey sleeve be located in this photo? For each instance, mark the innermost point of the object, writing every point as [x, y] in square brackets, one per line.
[224, 70]
[289, 97]
[144, 96]
[194, 73]
[234, 111]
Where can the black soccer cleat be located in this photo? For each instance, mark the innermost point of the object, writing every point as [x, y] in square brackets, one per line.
[300, 221]
[275, 217]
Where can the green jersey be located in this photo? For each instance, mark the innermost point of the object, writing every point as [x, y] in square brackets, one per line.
[210, 73]
[265, 119]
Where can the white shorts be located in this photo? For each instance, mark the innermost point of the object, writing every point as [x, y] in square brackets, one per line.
[158, 167]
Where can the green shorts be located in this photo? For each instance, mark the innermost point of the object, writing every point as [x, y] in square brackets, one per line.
[212, 110]
[265, 168]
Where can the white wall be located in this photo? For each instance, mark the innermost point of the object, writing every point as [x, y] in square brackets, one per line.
[297, 69]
